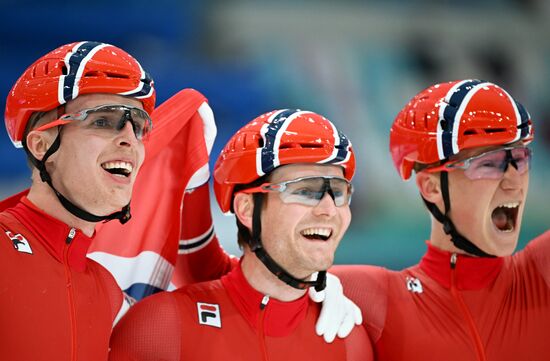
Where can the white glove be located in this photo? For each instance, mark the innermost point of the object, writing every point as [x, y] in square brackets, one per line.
[338, 313]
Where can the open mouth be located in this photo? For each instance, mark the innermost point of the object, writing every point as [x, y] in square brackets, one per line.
[120, 169]
[317, 234]
[504, 216]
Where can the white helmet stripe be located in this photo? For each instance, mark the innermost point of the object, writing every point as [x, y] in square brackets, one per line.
[450, 112]
[460, 112]
[442, 107]
[68, 84]
[267, 157]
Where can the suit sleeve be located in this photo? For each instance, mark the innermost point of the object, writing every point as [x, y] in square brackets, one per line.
[200, 255]
[367, 286]
[150, 330]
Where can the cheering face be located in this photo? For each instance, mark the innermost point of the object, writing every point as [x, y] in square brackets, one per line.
[488, 197]
[302, 226]
[96, 164]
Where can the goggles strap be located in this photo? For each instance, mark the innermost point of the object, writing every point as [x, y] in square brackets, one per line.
[458, 240]
[269, 263]
[123, 215]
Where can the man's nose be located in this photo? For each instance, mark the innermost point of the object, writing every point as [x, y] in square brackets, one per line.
[326, 205]
[126, 135]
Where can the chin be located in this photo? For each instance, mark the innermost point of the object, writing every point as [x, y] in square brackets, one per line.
[504, 246]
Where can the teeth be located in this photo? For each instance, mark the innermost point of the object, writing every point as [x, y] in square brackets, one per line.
[510, 205]
[325, 232]
[118, 165]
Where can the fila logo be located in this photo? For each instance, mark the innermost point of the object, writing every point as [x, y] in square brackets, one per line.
[414, 285]
[20, 243]
[209, 314]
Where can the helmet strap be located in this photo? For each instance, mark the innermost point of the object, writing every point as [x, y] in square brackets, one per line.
[458, 240]
[123, 215]
[260, 252]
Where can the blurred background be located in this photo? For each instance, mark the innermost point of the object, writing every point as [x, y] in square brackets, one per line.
[356, 62]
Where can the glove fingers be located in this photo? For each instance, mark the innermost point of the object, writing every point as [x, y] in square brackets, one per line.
[330, 334]
[346, 326]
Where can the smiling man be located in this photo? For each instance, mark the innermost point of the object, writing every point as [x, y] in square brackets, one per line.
[286, 177]
[80, 113]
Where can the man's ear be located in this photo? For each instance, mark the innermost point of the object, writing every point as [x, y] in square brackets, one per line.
[429, 186]
[243, 205]
[38, 142]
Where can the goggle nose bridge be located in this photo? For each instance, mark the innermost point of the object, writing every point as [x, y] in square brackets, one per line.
[327, 189]
[509, 160]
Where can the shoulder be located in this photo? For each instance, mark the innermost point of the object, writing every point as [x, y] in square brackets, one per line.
[157, 309]
[361, 276]
[150, 330]
[367, 287]
[542, 241]
[14, 235]
[537, 249]
[536, 253]
[199, 290]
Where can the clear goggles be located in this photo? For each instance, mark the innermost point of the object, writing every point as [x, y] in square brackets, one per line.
[492, 164]
[309, 191]
[108, 118]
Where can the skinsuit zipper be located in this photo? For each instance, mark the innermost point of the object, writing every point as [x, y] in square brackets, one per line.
[465, 312]
[70, 294]
[261, 334]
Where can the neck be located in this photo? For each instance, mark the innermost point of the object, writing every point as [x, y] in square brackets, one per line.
[441, 240]
[263, 281]
[42, 196]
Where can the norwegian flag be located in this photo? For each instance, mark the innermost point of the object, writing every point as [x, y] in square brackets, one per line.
[142, 253]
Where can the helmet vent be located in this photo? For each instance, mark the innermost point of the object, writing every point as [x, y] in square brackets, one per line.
[495, 130]
[299, 145]
[94, 74]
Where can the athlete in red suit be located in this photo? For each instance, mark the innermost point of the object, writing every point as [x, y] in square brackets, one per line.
[469, 298]
[286, 176]
[80, 113]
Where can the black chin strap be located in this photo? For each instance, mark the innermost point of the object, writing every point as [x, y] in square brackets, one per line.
[269, 263]
[123, 215]
[458, 240]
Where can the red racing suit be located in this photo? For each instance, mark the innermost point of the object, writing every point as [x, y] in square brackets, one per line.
[448, 307]
[227, 319]
[454, 307]
[55, 304]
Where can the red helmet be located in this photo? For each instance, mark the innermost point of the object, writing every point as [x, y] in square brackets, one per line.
[274, 139]
[447, 118]
[69, 71]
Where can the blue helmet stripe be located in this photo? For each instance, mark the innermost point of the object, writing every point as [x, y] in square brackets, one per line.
[273, 128]
[449, 114]
[74, 63]
[145, 90]
[343, 148]
[524, 124]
